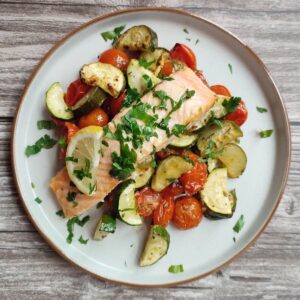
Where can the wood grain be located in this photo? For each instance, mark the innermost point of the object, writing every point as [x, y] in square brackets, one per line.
[29, 268]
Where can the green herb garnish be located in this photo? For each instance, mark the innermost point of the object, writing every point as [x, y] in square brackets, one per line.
[146, 64]
[32, 185]
[197, 41]
[108, 224]
[71, 196]
[239, 224]
[45, 124]
[261, 109]
[105, 143]
[45, 142]
[231, 104]
[230, 68]
[71, 158]
[38, 200]
[114, 34]
[92, 188]
[82, 240]
[176, 269]
[132, 96]
[62, 142]
[166, 78]
[266, 133]
[149, 82]
[209, 150]
[185, 30]
[188, 39]
[85, 172]
[60, 213]
[179, 129]
[70, 226]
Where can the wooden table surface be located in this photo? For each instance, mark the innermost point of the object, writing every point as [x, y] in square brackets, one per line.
[29, 268]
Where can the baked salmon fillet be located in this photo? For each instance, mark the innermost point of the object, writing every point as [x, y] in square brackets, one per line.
[187, 112]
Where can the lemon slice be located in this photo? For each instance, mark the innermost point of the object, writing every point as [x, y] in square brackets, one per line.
[82, 159]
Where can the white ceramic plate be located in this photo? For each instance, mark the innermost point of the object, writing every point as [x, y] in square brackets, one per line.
[210, 245]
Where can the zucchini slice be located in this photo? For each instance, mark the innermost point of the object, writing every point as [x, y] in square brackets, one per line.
[158, 58]
[218, 201]
[212, 163]
[234, 159]
[229, 132]
[125, 205]
[137, 38]
[156, 247]
[142, 175]
[106, 76]
[135, 74]
[169, 170]
[217, 111]
[106, 225]
[56, 104]
[94, 98]
[183, 141]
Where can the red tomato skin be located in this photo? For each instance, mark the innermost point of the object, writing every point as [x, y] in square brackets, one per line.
[76, 90]
[71, 130]
[201, 76]
[174, 190]
[187, 213]
[97, 117]
[112, 106]
[240, 115]
[167, 68]
[147, 201]
[194, 179]
[184, 54]
[115, 57]
[220, 90]
[163, 214]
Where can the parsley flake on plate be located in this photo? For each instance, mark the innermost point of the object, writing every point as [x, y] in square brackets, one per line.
[230, 68]
[38, 200]
[261, 109]
[60, 213]
[113, 34]
[45, 142]
[45, 124]
[266, 133]
[239, 224]
[176, 269]
[82, 240]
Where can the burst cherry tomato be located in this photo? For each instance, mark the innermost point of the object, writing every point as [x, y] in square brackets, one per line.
[174, 189]
[220, 90]
[147, 201]
[184, 54]
[97, 117]
[187, 213]
[115, 57]
[167, 68]
[163, 214]
[240, 115]
[113, 105]
[201, 76]
[75, 92]
[194, 179]
[71, 130]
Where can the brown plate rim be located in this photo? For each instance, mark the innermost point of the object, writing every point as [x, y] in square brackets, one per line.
[180, 12]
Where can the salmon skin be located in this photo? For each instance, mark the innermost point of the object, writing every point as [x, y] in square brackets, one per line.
[188, 113]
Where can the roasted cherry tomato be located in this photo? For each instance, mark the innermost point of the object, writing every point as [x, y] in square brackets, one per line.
[147, 201]
[164, 153]
[220, 90]
[115, 57]
[97, 117]
[194, 179]
[75, 92]
[174, 189]
[187, 213]
[167, 68]
[240, 115]
[71, 130]
[163, 214]
[112, 106]
[184, 54]
[201, 76]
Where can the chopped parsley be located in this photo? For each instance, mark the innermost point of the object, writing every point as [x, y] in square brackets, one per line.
[234, 239]
[45, 142]
[209, 150]
[146, 64]
[62, 142]
[185, 30]
[266, 133]
[32, 185]
[179, 129]
[45, 124]
[60, 213]
[71, 196]
[197, 41]
[108, 224]
[132, 96]
[149, 82]
[261, 109]
[85, 172]
[176, 269]
[188, 39]
[163, 97]
[100, 151]
[38, 200]
[186, 95]
[239, 224]
[231, 104]
[215, 121]
[92, 188]
[163, 77]
[105, 143]
[230, 68]
[113, 34]
[82, 240]
[71, 158]
[71, 224]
